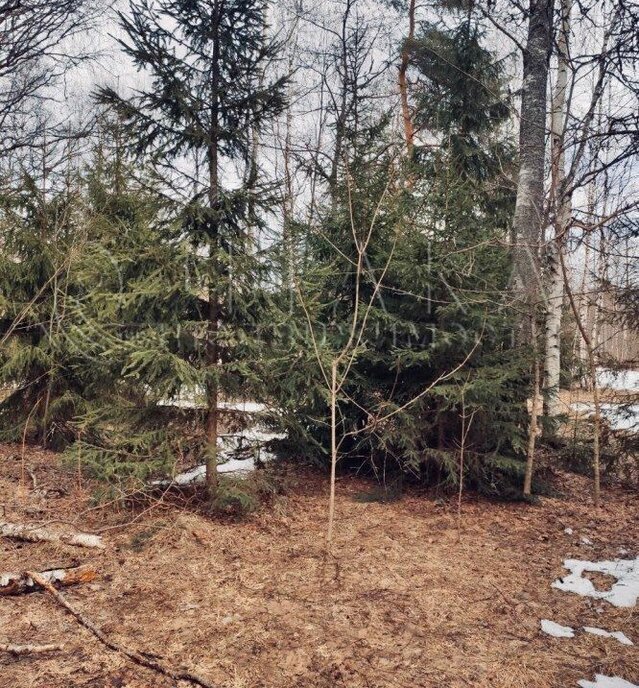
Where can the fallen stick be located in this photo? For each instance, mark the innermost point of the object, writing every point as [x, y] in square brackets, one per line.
[32, 533]
[133, 655]
[19, 583]
[20, 650]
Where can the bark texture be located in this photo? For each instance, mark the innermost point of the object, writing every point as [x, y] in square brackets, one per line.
[212, 352]
[21, 582]
[20, 650]
[529, 204]
[561, 202]
[409, 131]
[31, 533]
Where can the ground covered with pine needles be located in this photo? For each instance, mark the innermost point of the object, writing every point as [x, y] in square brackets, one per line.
[410, 596]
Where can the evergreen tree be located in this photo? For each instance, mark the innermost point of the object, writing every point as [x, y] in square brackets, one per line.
[42, 234]
[134, 318]
[207, 61]
[439, 230]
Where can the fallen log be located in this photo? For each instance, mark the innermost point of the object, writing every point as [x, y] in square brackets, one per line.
[20, 583]
[133, 655]
[33, 533]
[20, 650]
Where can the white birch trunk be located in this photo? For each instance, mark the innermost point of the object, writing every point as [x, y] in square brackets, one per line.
[562, 202]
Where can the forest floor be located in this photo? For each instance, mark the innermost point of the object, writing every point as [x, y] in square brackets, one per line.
[408, 598]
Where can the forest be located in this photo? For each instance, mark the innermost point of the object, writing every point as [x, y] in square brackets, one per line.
[319, 343]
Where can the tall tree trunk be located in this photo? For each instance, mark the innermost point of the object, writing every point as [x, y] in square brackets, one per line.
[288, 204]
[212, 353]
[528, 218]
[561, 203]
[409, 131]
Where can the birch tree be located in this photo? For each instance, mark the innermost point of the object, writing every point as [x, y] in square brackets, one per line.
[561, 206]
[529, 205]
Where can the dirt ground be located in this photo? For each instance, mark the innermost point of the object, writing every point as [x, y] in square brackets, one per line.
[407, 600]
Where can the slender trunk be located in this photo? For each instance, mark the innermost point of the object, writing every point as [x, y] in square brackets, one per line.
[533, 426]
[331, 500]
[583, 295]
[342, 114]
[409, 131]
[528, 217]
[554, 304]
[592, 365]
[561, 201]
[288, 267]
[212, 353]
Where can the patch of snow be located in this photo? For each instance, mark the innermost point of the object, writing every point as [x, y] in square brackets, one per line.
[585, 540]
[243, 406]
[190, 477]
[620, 380]
[556, 630]
[619, 417]
[237, 453]
[197, 474]
[568, 531]
[621, 637]
[196, 399]
[624, 592]
[237, 466]
[602, 681]
[186, 399]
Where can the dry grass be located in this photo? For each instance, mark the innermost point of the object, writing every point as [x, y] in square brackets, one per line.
[405, 600]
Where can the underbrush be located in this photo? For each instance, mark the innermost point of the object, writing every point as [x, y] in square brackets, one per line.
[240, 496]
[618, 455]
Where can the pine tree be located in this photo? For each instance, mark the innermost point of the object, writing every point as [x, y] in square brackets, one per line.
[207, 61]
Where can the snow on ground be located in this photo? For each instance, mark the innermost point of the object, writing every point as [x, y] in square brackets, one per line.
[238, 453]
[624, 593]
[619, 417]
[187, 399]
[243, 406]
[556, 630]
[621, 637]
[196, 399]
[602, 681]
[619, 380]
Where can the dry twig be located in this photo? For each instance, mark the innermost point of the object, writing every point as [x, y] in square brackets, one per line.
[133, 655]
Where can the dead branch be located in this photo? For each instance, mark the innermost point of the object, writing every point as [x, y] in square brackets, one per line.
[20, 650]
[33, 533]
[20, 583]
[133, 655]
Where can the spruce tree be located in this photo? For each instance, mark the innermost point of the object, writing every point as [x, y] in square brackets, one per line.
[207, 62]
[440, 224]
[133, 318]
[42, 234]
